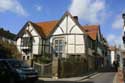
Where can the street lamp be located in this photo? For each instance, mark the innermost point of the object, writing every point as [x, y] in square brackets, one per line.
[123, 38]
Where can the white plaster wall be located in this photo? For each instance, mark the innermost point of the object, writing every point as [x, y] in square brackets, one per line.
[18, 43]
[36, 40]
[75, 44]
[63, 24]
[71, 39]
[58, 31]
[70, 24]
[80, 39]
[25, 35]
[35, 45]
[34, 33]
[31, 29]
[71, 49]
[80, 42]
[80, 49]
[76, 29]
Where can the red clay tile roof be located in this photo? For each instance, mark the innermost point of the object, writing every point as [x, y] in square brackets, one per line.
[45, 28]
[91, 30]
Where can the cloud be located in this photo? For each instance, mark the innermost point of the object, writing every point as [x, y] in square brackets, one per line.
[88, 10]
[38, 8]
[113, 39]
[12, 6]
[118, 22]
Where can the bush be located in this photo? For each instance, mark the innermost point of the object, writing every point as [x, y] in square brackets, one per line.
[43, 59]
[9, 50]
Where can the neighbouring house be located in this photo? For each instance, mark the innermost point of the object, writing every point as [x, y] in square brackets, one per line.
[7, 36]
[64, 38]
[105, 51]
[97, 47]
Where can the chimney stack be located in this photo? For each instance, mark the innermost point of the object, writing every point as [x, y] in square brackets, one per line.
[75, 17]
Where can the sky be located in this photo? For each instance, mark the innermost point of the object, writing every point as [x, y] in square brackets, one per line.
[107, 13]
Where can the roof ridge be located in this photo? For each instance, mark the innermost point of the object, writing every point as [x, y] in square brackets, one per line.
[46, 21]
[91, 25]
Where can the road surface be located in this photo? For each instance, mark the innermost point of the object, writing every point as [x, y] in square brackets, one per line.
[106, 77]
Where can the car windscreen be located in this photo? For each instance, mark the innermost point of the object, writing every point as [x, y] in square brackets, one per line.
[18, 64]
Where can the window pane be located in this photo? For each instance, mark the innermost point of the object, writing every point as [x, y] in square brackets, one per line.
[56, 48]
[56, 41]
[60, 42]
[60, 48]
[26, 41]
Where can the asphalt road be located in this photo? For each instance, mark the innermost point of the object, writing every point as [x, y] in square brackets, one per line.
[106, 77]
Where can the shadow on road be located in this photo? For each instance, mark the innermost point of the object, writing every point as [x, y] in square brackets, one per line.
[63, 82]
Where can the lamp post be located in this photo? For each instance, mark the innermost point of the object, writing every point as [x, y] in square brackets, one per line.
[123, 37]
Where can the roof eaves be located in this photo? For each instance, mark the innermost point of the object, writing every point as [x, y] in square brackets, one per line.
[19, 34]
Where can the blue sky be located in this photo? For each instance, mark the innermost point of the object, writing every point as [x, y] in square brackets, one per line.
[107, 13]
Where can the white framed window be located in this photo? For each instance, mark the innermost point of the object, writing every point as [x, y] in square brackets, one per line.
[26, 41]
[59, 46]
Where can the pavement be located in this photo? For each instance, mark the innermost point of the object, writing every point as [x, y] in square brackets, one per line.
[117, 80]
[71, 78]
[103, 77]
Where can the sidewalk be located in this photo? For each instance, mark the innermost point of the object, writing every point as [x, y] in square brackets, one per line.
[116, 79]
[70, 79]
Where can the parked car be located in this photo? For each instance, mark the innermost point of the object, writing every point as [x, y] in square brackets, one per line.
[14, 71]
